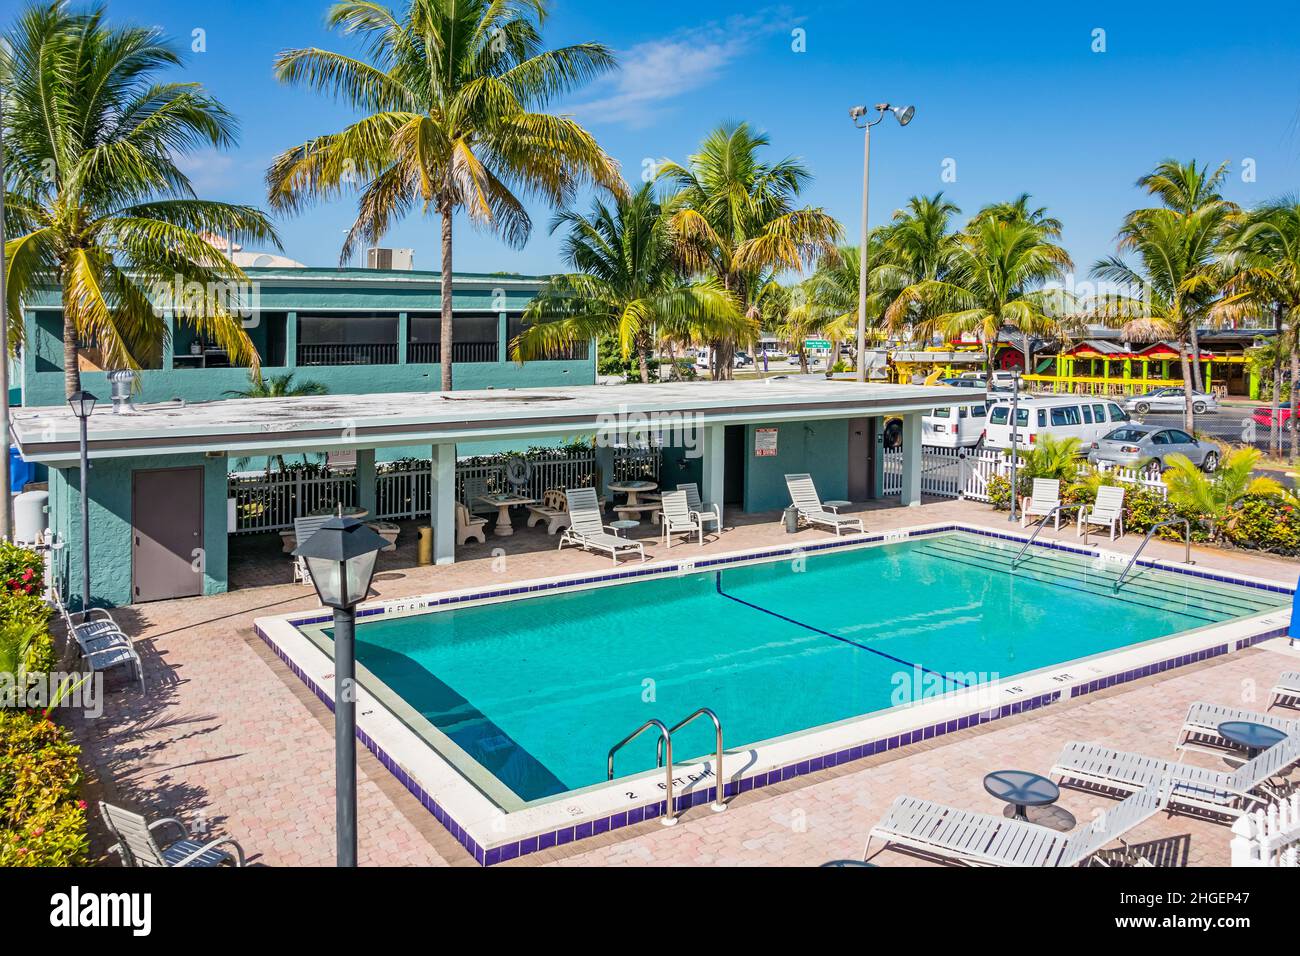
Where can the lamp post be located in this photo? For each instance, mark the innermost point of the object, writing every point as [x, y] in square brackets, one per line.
[6, 504]
[82, 404]
[904, 116]
[341, 559]
[1015, 438]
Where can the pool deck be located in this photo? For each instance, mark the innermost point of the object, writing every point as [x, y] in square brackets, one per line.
[228, 734]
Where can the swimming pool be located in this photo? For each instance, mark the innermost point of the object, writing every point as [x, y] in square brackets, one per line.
[526, 697]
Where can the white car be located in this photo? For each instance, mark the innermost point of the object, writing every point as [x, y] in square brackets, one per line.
[1084, 417]
[958, 426]
[1171, 399]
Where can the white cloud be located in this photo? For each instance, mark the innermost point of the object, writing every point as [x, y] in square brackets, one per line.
[657, 71]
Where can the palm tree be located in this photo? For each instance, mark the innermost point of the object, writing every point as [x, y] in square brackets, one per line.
[1020, 210]
[1213, 496]
[738, 217]
[96, 201]
[1175, 270]
[994, 281]
[628, 284]
[277, 386]
[452, 94]
[1262, 265]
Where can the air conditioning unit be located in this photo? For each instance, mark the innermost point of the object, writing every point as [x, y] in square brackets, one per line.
[382, 258]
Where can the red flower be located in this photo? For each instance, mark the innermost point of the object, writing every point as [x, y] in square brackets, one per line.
[81, 804]
[37, 831]
[28, 574]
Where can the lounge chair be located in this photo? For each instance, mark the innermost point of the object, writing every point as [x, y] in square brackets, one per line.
[709, 514]
[1045, 500]
[1286, 690]
[677, 518]
[469, 526]
[95, 632]
[1229, 794]
[589, 530]
[804, 497]
[994, 840]
[1200, 729]
[551, 509]
[137, 846]
[304, 528]
[1106, 511]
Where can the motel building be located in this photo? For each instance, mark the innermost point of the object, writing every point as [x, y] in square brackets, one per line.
[183, 478]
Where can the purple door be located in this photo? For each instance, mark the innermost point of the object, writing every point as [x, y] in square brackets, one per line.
[166, 533]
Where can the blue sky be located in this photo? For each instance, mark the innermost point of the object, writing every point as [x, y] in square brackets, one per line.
[1013, 100]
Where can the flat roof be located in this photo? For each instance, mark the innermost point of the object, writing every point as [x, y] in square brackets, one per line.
[251, 426]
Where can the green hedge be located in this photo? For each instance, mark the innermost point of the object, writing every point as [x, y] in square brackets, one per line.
[42, 821]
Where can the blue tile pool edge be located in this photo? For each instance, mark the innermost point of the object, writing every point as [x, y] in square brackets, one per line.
[655, 809]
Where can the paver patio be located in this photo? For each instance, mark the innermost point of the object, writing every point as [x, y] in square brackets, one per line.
[228, 734]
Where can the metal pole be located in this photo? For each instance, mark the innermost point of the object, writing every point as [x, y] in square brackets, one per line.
[85, 518]
[345, 736]
[862, 261]
[1015, 437]
[6, 507]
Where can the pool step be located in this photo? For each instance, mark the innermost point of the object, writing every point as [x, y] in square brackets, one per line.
[1189, 596]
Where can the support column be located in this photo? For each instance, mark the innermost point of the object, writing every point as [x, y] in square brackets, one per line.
[403, 336]
[911, 494]
[503, 337]
[365, 478]
[713, 446]
[169, 345]
[442, 495]
[291, 340]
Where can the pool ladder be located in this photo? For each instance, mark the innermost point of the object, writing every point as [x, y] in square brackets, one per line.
[1187, 547]
[664, 758]
[1041, 523]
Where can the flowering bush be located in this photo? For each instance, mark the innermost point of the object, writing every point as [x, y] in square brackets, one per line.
[42, 820]
[1265, 523]
[22, 575]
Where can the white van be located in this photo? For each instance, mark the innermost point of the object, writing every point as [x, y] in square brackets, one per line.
[955, 426]
[1085, 417]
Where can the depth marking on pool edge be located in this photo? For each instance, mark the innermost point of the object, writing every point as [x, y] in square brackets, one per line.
[717, 582]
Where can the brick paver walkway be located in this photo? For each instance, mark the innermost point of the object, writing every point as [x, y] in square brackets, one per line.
[227, 734]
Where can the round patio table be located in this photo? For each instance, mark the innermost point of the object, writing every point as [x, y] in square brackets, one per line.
[632, 489]
[1021, 789]
[836, 505]
[1256, 738]
[622, 525]
[349, 511]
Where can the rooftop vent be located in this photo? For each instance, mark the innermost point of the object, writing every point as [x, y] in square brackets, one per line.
[381, 258]
[120, 381]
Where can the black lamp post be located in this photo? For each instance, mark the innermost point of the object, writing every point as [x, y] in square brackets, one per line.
[83, 403]
[341, 559]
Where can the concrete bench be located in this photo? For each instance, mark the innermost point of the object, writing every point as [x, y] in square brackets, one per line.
[555, 518]
[635, 511]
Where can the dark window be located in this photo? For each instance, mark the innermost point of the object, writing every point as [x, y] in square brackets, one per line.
[1067, 415]
[1117, 414]
[1179, 438]
[1087, 414]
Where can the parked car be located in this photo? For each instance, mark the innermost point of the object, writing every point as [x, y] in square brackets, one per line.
[965, 383]
[1264, 416]
[742, 359]
[1084, 417]
[1134, 444]
[1171, 399]
[958, 426]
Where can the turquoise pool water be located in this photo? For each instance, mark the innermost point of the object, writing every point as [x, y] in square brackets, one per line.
[537, 690]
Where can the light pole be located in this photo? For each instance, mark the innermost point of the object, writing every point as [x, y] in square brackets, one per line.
[1015, 438]
[82, 403]
[6, 506]
[858, 114]
[341, 559]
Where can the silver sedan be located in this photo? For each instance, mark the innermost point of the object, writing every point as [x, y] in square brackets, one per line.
[1171, 400]
[1133, 445]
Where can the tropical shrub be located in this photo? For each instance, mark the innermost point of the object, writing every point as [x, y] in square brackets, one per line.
[21, 582]
[42, 820]
[1208, 499]
[1264, 523]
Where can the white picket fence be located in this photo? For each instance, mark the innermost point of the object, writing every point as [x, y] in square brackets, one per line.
[965, 473]
[270, 502]
[1268, 837]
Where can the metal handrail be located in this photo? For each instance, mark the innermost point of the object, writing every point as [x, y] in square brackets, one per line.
[666, 740]
[718, 806]
[1187, 547]
[1038, 528]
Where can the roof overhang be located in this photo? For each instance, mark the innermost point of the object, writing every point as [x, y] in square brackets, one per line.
[332, 423]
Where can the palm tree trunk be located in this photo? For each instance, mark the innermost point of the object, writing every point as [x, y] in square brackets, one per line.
[1295, 397]
[1274, 431]
[643, 354]
[447, 309]
[1189, 415]
[1196, 379]
[71, 363]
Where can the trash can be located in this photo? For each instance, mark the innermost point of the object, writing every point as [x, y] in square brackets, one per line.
[791, 519]
[424, 545]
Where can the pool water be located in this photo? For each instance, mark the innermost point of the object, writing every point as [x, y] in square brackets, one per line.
[537, 690]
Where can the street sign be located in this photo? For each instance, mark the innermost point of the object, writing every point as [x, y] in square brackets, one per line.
[816, 344]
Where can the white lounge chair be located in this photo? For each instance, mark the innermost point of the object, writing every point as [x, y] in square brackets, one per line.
[1045, 500]
[994, 840]
[1200, 729]
[589, 530]
[1107, 511]
[677, 518]
[1286, 690]
[1230, 794]
[709, 514]
[304, 528]
[137, 846]
[804, 497]
[95, 632]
